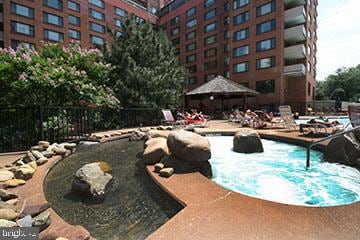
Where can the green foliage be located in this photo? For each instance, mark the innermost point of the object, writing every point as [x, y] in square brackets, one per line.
[54, 76]
[343, 85]
[146, 71]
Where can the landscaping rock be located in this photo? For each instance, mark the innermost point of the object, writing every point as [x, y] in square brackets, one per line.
[137, 135]
[188, 146]
[38, 148]
[6, 175]
[166, 172]
[158, 167]
[37, 154]
[44, 144]
[7, 223]
[247, 140]
[157, 133]
[8, 214]
[48, 154]
[181, 166]
[25, 221]
[5, 205]
[345, 150]
[41, 161]
[42, 220]
[13, 201]
[90, 180]
[34, 210]
[61, 238]
[33, 165]
[69, 146]
[155, 151]
[145, 129]
[104, 166]
[24, 172]
[19, 163]
[14, 182]
[29, 158]
[60, 151]
[6, 195]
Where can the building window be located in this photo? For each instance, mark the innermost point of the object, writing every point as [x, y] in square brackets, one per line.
[99, 41]
[22, 28]
[227, 74]
[191, 12]
[265, 86]
[226, 6]
[241, 35]
[241, 67]
[139, 20]
[54, 36]
[191, 58]
[56, 4]
[175, 20]
[73, 6]
[241, 18]
[210, 65]
[21, 10]
[226, 34]
[226, 48]
[177, 51]
[208, 3]
[191, 69]
[241, 51]
[73, 34]
[266, 8]
[175, 31]
[210, 52]
[191, 23]
[192, 81]
[176, 41]
[226, 61]
[210, 14]
[226, 20]
[117, 22]
[210, 40]
[97, 15]
[265, 26]
[191, 46]
[191, 35]
[240, 3]
[53, 19]
[309, 89]
[210, 27]
[209, 77]
[265, 45]
[97, 27]
[74, 20]
[264, 63]
[16, 43]
[98, 3]
[154, 10]
[120, 12]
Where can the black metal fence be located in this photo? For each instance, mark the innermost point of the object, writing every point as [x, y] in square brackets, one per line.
[22, 127]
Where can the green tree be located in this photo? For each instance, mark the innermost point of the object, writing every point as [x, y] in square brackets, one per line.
[343, 85]
[56, 75]
[146, 71]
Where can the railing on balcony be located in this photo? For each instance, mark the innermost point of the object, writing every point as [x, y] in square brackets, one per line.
[293, 3]
[295, 16]
[294, 70]
[295, 52]
[295, 34]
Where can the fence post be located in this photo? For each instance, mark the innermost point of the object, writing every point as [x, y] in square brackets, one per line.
[41, 120]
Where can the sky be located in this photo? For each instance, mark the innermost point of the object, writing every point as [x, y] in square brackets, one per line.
[338, 36]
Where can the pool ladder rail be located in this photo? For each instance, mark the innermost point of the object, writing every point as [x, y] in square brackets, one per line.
[313, 143]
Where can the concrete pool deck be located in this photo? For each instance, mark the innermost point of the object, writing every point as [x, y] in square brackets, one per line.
[212, 212]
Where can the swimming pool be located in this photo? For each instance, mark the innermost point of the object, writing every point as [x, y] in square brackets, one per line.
[343, 120]
[279, 174]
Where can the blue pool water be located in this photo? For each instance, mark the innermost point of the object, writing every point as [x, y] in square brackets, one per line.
[279, 174]
[342, 120]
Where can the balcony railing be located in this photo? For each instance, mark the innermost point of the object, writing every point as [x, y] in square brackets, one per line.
[295, 16]
[295, 34]
[294, 70]
[1, 17]
[293, 3]
[295, 52]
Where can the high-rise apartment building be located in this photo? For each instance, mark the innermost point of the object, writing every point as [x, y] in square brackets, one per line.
[267, 45]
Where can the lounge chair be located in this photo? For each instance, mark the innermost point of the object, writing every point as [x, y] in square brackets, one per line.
[354, 115]
[287, 118]
[169, 118]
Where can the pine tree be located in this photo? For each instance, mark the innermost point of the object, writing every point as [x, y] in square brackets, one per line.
[146, 71]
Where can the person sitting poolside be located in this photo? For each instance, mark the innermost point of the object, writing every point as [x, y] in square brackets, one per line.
[325, 122]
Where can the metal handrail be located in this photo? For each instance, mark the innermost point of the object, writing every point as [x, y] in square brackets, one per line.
[312, 143]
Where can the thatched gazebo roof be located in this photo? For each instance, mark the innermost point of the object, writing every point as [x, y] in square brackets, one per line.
[222, 86]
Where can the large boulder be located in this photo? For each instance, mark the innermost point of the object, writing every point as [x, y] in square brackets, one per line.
[6, 175]
[155, 150]
[158, 133]
[137, 135]
[345, 150]
[91, 180]
[247, 140]
[188, 146]
[181, 166]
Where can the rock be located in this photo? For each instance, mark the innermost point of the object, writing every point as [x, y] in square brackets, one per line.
[190, 128]
[24, 172]
[14, 183]
[69, 146]
[158, 167]
[44, 144]
[19, 163]
[37, 154]
[41, 161]
[60, 151]
[29, 158]
[6, 195]
[5, 205]
[38, 148]
[25, 221]
[33, 165]
[52, 147]
[189, 146]
[181, 166]
[161, 127]
[157, 133]
[7, 214]
[42, 220]
[155, 151]
[34, 210]
[345, 150]
[166, 172]
[247, 140]
[90, 180]
[104, 166]
[7, 223]
[48, 154]
[6, 175]
[145, 129]
[13, 201]
[137, 135]
[61, 238]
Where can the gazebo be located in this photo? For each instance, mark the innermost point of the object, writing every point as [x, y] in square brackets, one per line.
[221, 88]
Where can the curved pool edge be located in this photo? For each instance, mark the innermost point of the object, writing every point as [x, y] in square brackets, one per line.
[211, 211]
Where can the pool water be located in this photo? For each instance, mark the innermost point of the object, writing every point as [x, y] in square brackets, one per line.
[342, 120]
[278, 174]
